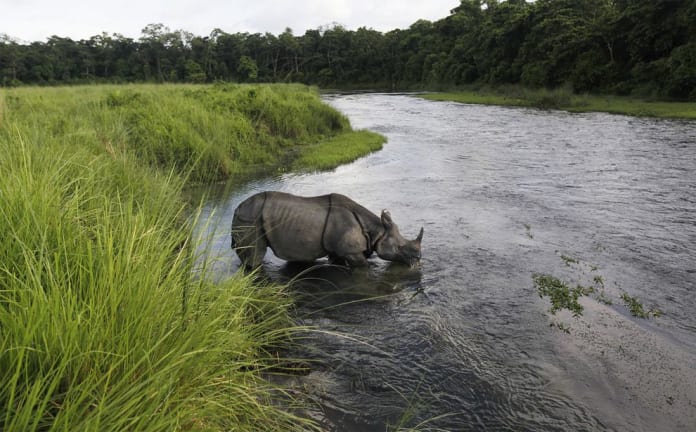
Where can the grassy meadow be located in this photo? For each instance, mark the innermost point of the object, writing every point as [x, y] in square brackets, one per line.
[566, 100]
[107, 318]
[207, 133]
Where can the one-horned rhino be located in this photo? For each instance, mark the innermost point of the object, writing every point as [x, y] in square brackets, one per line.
[308, 228]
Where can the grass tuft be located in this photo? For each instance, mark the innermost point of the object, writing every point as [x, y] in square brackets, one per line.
[338, 150]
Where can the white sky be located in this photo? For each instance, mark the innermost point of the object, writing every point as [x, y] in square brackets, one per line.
[36, 20]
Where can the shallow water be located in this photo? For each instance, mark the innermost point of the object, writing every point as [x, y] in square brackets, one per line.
[466, 343]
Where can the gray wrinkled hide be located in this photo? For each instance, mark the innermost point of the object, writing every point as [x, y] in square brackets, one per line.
[305, 229]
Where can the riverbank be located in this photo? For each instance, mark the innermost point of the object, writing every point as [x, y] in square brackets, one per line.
[565, 100]
[107, 316]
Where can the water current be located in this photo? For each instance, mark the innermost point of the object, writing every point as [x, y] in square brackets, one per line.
[465, 343]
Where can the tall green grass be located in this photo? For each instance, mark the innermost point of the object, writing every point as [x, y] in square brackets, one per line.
[107, 318]
[211, 132]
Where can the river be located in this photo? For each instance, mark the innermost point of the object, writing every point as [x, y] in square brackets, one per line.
[466, 343]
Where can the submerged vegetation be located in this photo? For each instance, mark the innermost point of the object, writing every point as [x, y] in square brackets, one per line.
[108, 320]
[560, 294]
[637, 309]
[564, 297]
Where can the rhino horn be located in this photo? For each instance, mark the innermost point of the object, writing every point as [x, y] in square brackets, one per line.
[386, 219]
[420, 236]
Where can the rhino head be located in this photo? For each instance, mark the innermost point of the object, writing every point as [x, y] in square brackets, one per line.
[392, 246]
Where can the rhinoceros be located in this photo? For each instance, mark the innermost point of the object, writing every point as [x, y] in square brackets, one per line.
[304, 229]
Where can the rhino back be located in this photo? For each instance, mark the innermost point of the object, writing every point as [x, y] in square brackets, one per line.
[294, 226]
[369, 221]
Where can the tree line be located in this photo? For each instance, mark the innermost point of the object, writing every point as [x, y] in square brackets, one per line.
[640, 47]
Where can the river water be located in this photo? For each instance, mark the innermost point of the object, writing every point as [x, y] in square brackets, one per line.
[466, 343]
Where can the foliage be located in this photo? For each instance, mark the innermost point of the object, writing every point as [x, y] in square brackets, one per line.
[641, 47]
[107, 318]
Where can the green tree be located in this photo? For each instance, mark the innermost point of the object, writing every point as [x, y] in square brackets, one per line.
[640, 46]
[651, 32]
[201, 52]
[194, 72]
[290, 53]
[247, 70]
[162, 51]
[11, 66]
[366, 57]
[226, 53]
[499, 38]
[335, 39]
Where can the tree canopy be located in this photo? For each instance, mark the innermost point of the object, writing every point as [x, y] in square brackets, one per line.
[642, 47]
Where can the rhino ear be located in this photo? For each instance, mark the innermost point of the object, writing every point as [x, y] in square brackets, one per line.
[386, 219]
[420, 236]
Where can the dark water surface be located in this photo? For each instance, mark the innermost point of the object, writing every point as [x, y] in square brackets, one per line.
[466, 343]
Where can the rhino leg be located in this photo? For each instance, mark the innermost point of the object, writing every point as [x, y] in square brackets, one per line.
[356, 260]
[353, 260]
[336, 260]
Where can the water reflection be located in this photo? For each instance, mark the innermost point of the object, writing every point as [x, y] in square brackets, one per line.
[377, 279]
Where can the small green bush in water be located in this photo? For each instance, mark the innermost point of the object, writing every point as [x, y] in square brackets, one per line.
[560, 294]
[636, 307]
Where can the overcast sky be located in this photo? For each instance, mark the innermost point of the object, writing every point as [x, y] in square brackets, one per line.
[36, 20]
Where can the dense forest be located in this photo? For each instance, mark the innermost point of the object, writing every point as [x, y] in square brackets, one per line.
[638, 47]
